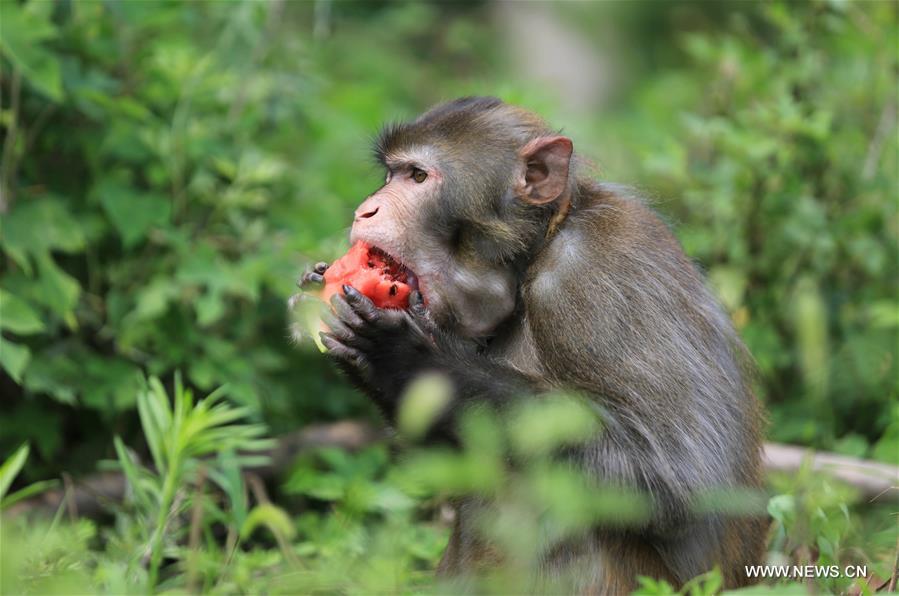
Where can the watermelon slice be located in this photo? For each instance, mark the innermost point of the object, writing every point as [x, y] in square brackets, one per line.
[373, 273]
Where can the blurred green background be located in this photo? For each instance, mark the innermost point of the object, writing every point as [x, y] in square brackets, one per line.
[169, 168]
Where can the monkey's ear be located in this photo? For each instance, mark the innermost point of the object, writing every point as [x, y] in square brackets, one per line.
[544, 169]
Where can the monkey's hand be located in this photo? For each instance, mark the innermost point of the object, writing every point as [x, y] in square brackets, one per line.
[314, 278]
[380, 349]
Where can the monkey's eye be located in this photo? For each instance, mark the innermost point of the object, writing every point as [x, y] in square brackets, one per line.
[419, 175]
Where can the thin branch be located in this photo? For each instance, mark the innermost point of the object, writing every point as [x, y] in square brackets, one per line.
[895, 574]
[38, 125]
[874, 480]
[9, 165]
[885, 124]
[71, 505]
[258, 488]
[196, 526]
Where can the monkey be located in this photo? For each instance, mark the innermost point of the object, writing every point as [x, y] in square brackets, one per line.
[532, 276]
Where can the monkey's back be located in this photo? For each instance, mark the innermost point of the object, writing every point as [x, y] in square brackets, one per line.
[649, 341]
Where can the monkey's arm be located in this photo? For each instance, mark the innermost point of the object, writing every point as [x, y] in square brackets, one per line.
[382, 350]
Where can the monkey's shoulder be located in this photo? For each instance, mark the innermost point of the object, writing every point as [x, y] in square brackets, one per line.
[611, 232]
[614, 267]
[621, 222]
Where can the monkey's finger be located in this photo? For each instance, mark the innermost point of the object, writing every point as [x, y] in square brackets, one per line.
[417, 303]
[418, 312]
[310, 278]
[420, 328]
[391, 318]
[341, 351]
[346, 313]
[362, 304]
[376, 319]
[342, 332]
[320, 268]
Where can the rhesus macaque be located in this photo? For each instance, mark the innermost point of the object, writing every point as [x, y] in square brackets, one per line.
[532, 277]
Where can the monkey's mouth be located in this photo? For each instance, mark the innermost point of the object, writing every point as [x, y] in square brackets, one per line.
[392, 268]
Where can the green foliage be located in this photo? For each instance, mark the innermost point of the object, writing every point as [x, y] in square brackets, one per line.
[178, 434]
[11, 467]
[8, 472]
[815, 523]
[159, 200]
[707, 584]
[369, 525]
[26, 29]
[427, 397]
[785, 174]
[188, 442]
[48, 558]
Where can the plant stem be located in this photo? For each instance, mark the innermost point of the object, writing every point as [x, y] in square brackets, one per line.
[9, 163]
[196, 527]
[156, 542]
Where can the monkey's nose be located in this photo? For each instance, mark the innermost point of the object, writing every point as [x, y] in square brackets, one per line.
[367, 214]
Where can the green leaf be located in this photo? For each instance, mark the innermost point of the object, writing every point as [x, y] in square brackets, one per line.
[154, 298]
[11, 468]
[426, 398]
[57, 289]
[730, 285]
[272, 517]
[887, 447]
[730, 501]
[132, 471]
[17, 316]
[55, 373]
[853, 444]
[132, 213]
[652, 587]
[38, 226]
[539, 426]
[23, 30]
[811, 321]
[29, 491]
[154, 423]
[884, 314]
[782, 508]
[229, 478]
[210, 308]
[51, 287]
[317, 484]
[110, 384]
[305, 312]
[14, 358]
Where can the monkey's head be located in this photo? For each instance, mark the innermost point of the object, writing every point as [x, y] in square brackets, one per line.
[471, 187]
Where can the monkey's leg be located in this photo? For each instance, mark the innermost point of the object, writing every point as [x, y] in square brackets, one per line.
[468, 551]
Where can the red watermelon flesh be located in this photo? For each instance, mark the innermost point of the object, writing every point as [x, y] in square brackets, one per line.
[373, 273]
